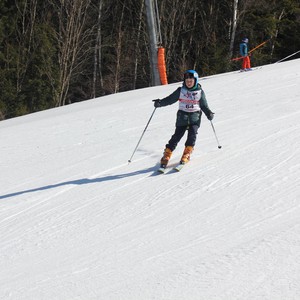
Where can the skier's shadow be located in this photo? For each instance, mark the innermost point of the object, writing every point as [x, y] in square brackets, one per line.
[80, 182]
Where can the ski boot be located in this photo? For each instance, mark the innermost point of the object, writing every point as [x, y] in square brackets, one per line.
[165, 160]
[186, 155]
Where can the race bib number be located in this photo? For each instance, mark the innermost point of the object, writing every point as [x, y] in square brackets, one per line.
[189, 101]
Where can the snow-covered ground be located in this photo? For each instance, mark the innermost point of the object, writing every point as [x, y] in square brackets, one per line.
[78, 222]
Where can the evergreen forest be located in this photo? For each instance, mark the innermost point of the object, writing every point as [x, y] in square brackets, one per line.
[57, 52]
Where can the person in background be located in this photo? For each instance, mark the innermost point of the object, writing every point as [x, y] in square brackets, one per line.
[246, 65]
[192, 101]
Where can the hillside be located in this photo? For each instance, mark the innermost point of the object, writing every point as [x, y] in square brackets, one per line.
[78, 222]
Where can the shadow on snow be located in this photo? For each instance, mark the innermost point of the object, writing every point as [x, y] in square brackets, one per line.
[81, 182]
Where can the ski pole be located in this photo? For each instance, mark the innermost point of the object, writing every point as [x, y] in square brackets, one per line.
[212, 125]
[129, 161]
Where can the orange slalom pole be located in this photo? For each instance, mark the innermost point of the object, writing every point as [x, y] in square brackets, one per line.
[162, 65]
[241, 57]
[257, 46]
[237, 58]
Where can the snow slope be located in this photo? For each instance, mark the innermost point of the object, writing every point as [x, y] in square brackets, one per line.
[78, 222]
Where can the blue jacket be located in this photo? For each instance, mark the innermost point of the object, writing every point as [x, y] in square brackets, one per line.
[243, 49]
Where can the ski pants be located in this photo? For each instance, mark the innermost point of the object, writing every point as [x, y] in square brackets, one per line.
[179, 133]
[246, 63]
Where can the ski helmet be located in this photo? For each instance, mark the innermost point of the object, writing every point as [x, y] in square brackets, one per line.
[191, 74]
[245, 40]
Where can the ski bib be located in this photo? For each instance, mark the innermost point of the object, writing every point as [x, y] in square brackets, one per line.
[189, 101]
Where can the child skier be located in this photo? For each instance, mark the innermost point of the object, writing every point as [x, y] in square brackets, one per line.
[192, 102]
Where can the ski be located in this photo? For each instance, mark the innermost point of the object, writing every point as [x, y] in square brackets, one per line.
[179, 167]
[250, 69]
[246, 70]
[164, 169]
[161, 170]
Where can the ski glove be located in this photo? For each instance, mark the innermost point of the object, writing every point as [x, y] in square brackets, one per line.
[156, 103]
[210, 116]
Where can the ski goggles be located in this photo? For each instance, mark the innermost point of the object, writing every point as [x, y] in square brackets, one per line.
[188, 75]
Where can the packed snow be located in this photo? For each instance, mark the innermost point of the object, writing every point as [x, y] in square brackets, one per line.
[77, 221]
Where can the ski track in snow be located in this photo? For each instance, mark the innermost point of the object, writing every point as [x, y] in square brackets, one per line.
[80, 225]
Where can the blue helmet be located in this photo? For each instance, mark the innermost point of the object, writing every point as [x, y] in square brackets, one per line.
[191, 74]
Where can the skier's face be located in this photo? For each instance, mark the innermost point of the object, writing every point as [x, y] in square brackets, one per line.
[189, 82]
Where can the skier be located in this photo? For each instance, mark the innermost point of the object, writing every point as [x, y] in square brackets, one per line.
[192, 102]
[246, 66]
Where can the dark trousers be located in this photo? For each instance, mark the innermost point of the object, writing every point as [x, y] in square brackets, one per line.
[179, 133]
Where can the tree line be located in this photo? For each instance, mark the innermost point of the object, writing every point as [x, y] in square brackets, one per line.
[57, 52]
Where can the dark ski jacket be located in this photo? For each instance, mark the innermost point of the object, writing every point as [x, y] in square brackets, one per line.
[187, 118]
[243, 49]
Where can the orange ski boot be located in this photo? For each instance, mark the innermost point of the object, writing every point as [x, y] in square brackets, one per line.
[186, 154]
[165, 159]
